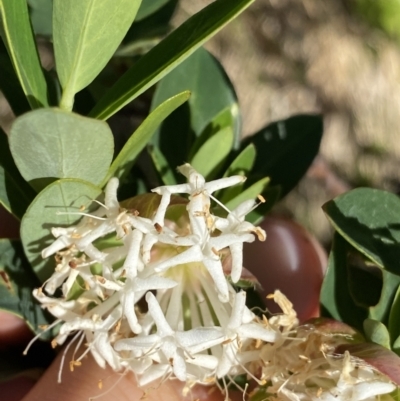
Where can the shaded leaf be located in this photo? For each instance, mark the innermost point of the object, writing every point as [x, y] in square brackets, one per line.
[390, 283]
[15, 193]
[212, 154]
[286, 149]
[51, 143]
[162, 166]
[18, 38]
[67, 195]
[80, 30]
[168, 54]
[370, 220]
[17, 282]
[336, 300]
[10, 85]
[394, 317]
[41, 12]
[212, 92]
[136, 143]
[149, 7]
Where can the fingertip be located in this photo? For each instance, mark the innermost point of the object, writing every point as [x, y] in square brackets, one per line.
[13, 330]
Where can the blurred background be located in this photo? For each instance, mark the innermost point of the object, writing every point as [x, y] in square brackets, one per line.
[340, 58]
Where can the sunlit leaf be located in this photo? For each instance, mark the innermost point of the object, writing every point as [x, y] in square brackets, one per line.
[168, 54]
[212, 154]
[51, 143]
[370, 220]
[249, 193]
[376, 332]
[85, 35]
[63, 196]
[18, 37]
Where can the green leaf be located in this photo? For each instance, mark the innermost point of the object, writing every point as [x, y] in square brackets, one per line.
[41, 12]
[51, 143]
[243, 163]
[85, 35]
[68, 195]
[162, 166]
[286, 149]
[164, 57]
[149, 7]
[336, 300]
[370, 220]
[376, 332]
[381, 311]
[394, 317]
[125, 159]
[15, 193]
[203, 75]
[223, 119]
[17, 281]
[18, 37]
[10, 85]
[249, 193]
[212, 154]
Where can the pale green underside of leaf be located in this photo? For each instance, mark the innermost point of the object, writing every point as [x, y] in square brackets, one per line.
[51, 143]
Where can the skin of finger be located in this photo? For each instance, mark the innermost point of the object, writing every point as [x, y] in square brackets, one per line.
[13, 330]
[83, 383]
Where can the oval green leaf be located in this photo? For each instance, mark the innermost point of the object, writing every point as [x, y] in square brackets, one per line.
[286, 149]
[168, 54]
[17, 35]
[51, 143]
[212, 92]
[61, 196]
[370, 220]
[125, 159]
[86, 35]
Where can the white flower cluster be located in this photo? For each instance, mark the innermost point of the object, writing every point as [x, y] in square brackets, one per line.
[152, 296]
[304, 366]
[158, 304]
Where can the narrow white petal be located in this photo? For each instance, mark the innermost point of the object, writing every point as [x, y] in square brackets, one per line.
[193, 254]
[163, 328]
